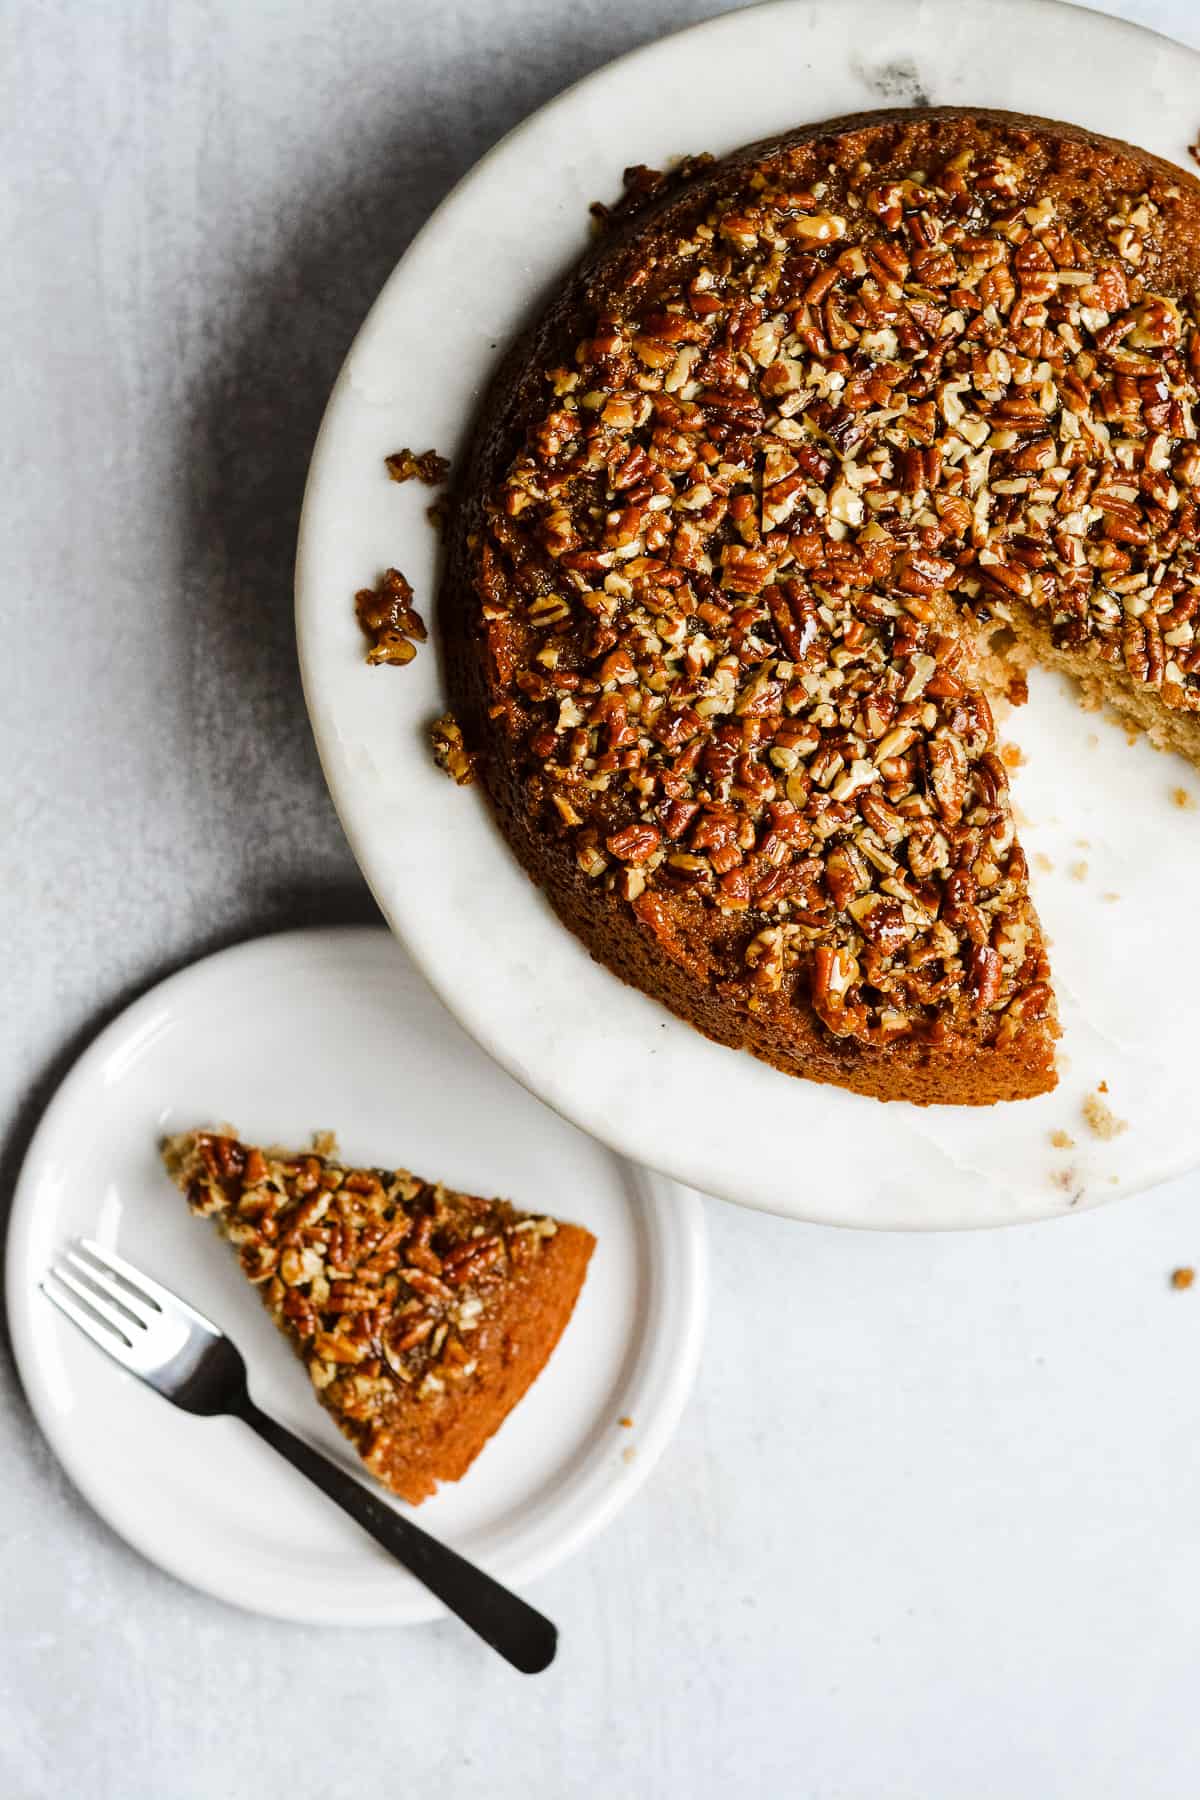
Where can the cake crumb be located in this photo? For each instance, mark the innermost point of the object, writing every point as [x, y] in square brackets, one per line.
[406, 465]
[1184, 801]
[1093, 740]
[1079, 871]
[1102, 1087]
[1012, 756]
[628, 1453]
[625, 1422]
[1068, 1180]
[1102, 1119]
[1182, 1278]
[1110, 896]
[1042, 861]
[1062, 1140]
[324, 1143]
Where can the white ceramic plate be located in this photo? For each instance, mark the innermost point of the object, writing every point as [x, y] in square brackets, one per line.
[601, 1053]
[335, 1029]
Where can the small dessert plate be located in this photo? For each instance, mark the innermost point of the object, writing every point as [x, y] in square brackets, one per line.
[316, 1030]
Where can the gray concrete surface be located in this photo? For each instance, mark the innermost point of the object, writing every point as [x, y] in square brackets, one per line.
[928, 1528]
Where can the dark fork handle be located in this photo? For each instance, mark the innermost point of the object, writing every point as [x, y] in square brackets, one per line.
[524, 1637]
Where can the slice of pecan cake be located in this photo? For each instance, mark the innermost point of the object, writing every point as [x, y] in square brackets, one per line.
[422, 1315]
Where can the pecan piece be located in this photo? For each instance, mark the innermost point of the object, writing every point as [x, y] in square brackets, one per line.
[450, 752]
[634, 843]
[428, 467]
[389, 620]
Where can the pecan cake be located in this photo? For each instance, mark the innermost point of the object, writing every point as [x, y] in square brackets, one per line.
[422, 1315]
[814, 453]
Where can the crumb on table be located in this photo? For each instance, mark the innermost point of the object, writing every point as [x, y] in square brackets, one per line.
[1182, 1278]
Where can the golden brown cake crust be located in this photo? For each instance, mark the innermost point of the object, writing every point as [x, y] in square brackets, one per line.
[806, 986]
[422, 1315]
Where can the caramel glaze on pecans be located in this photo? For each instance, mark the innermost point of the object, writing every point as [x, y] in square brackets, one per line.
[746, 510]
[390, 622]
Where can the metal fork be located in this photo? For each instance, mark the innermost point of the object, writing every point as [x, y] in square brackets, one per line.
[185, 1357]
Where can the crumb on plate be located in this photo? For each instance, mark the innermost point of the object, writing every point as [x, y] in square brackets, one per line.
[450, 753]
[1101, 1118]
[406, 465]
[390, 622]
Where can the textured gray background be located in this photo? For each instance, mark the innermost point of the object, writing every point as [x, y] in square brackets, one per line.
[928, 1527]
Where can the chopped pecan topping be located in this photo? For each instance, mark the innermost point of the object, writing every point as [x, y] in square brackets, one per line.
[722, 579]
[641, 185]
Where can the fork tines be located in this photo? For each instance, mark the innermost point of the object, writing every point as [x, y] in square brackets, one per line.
[93, 1288]
[129, 1314]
